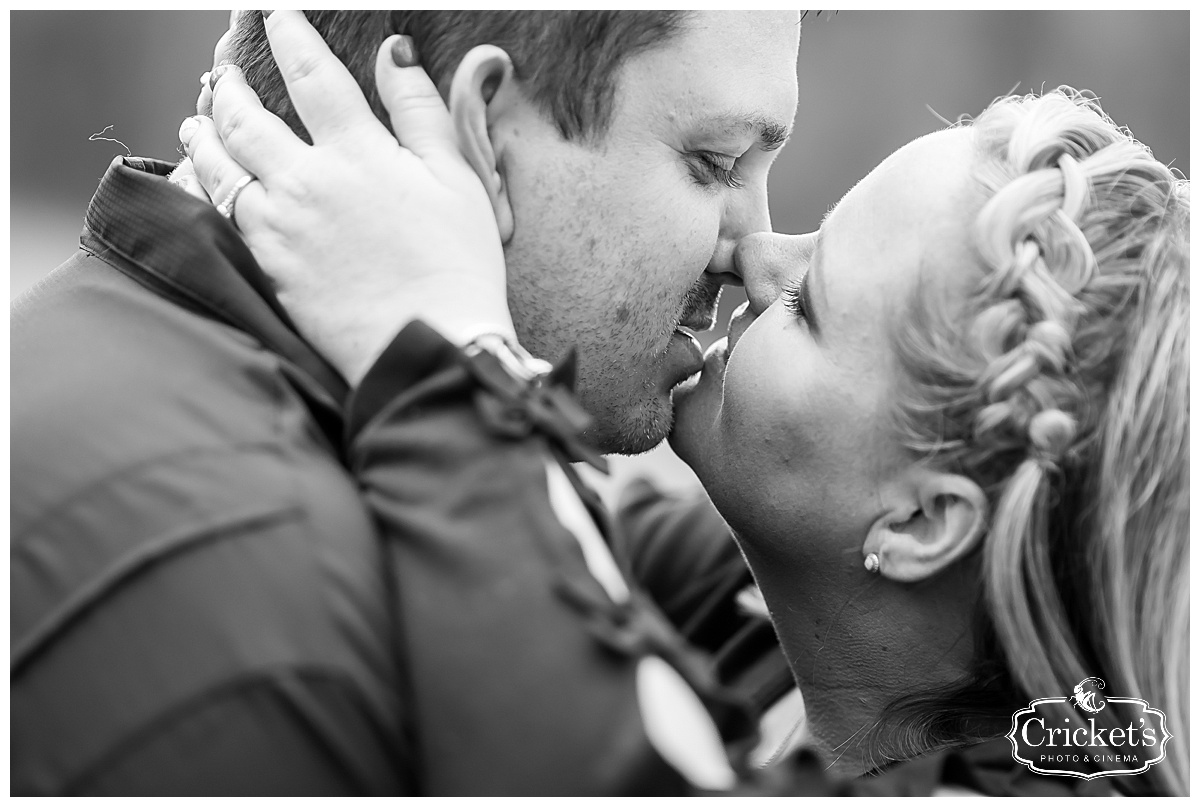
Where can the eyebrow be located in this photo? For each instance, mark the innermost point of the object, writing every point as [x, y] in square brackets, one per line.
[770, 133]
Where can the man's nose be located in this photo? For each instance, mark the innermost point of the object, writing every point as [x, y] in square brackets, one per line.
[767, 262]
[747, 213]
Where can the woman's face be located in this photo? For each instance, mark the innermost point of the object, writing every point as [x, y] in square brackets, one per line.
[790, 432]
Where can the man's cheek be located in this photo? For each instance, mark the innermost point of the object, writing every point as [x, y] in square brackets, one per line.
[698, 236]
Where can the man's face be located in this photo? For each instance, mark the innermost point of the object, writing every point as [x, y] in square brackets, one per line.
[617, 243]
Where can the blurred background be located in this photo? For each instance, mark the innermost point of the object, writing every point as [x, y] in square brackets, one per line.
[868, 83]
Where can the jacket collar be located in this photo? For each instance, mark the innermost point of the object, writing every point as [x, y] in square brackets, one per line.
[185, 251]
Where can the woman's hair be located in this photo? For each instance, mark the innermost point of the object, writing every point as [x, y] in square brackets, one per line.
[1062, 389]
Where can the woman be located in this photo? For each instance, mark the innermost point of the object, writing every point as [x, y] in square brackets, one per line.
[975, 384]
[949, 430]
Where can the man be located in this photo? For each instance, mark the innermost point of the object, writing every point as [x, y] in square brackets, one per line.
[202, 599]
[609, 251]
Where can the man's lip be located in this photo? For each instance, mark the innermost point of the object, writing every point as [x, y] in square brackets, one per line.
[695, 354]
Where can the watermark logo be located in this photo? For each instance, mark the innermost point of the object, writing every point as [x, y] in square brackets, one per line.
[1088, 735]
[1087, 695]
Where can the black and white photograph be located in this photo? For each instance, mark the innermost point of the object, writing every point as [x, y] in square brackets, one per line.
[599, 403]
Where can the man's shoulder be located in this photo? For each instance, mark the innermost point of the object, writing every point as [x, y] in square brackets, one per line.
[205, 581]
[107, 377]
[180, 532]
[88, 327]
[149, 442]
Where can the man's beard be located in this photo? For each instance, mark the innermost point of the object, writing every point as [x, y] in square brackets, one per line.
[700, 302]
[643, 424]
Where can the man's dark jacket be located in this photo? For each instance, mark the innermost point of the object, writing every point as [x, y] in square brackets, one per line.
[227, 576]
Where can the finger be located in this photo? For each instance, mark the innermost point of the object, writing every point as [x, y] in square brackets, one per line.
[184, 176]
[249, 211]
[204, 100]
[327, 98]
[419, 117]
[253, 136]
[216, 171]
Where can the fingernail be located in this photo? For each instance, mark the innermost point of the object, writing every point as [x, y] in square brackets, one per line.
[216, 74]
[404, 52]
[187, 129]
[204, 78]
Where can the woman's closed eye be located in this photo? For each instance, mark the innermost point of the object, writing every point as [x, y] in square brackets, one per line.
[794, 297]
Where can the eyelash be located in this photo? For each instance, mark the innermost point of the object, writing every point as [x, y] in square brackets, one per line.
[793, 297]
[714, 171]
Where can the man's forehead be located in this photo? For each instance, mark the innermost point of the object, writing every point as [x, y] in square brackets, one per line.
[727, 74]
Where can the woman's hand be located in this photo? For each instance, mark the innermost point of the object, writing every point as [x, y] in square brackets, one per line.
[360, 233]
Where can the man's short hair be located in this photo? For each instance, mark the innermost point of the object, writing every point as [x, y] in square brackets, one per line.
[565, 60]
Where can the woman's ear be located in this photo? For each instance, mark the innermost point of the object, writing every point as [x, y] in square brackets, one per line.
[482, 89]
[932, 520]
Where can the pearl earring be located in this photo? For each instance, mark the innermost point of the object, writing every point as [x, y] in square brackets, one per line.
[872, 563]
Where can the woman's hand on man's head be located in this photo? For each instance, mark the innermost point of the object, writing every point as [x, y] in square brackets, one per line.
[364, 230]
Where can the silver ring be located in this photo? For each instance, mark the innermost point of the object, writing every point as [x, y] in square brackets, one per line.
[226, 207]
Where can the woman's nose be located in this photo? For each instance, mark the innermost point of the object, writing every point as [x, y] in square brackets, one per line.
[768, 261]
[746, 214]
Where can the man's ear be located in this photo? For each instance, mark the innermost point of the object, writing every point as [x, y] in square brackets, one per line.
[482, 89]
[932, 520]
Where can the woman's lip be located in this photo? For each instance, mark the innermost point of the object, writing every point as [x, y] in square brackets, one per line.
[738, 324]
[716, 356]
[718, 353]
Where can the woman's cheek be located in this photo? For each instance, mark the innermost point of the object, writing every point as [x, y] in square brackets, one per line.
[752, 415]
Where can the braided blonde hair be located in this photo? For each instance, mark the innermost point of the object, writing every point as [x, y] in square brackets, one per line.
[1062, 389]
